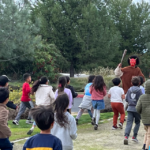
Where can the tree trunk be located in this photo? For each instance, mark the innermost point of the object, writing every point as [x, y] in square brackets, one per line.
[71, 70]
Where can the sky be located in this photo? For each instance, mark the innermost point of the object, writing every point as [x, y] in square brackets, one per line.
[140, 1]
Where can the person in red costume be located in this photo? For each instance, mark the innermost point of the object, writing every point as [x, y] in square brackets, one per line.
[128, 72]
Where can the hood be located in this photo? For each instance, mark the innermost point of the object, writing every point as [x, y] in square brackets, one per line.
[135, 89]
[147, 87]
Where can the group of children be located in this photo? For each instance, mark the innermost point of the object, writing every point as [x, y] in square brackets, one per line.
[52, 113]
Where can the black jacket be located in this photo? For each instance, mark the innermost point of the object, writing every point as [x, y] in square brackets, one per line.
[74, 94]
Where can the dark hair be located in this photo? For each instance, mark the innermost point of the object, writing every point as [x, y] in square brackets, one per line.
[99, 83]
[4, 94]
[60, 105]
[61, 84]
[135, 57]
[116, 81]
[91, 78]
[135, 81]
[43, 116]
[141, 80]
[26, 76]
[36, 84]
[68, 79]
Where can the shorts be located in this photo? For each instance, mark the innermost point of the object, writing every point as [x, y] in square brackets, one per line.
[98, 104]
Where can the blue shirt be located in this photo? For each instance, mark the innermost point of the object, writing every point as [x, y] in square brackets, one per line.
[43, 142]
[142, 89]
[87, 89]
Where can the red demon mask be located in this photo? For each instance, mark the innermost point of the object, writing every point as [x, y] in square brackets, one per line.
[132, 62]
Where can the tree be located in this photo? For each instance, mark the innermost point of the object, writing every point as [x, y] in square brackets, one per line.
[79, 30]
[18, 35]
[130, 18]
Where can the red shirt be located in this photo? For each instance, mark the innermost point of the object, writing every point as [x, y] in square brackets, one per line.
[97, 95]
[26, 92]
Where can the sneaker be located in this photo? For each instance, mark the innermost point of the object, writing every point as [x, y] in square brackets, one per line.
[114, 127]
[15, 122]
[120, 125]
[29, 122]
[29, 132]
[12, 143]
[126, 140]
[76, 121]
[124, 119]
[93, 121]
[135, 140]
[95, 127]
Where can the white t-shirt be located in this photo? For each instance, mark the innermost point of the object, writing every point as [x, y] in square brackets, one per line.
[116, 92]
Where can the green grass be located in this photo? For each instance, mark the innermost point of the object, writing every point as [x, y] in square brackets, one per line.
[20, 132]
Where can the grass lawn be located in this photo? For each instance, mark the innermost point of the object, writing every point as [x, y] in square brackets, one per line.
[20, 132]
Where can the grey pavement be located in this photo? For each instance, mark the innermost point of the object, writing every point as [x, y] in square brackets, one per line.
[77, 102]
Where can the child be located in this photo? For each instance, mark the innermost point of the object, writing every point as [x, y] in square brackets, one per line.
[68, 86]
[25, 100]
[116, 95]
[61, 89]
[44, 95]
[87, 101]
[44, 118]
[132, 98]
[65, 126]
[143, 108]
[141, 84]
[98, 91]
[4, 83]
[5, 132]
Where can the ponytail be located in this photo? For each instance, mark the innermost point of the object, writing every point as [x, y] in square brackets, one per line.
[61, 84]
[36, 84]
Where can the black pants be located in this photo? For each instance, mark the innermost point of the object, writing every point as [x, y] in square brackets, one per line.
[11, 105]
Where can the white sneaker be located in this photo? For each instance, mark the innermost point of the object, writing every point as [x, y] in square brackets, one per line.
[29, 122]
[135, 140]
[15, 122]
[120, 125]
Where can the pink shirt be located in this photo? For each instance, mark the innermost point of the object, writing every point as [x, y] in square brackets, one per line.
[97, 95]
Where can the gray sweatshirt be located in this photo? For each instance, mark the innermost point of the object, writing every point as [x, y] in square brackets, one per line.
[132, 97]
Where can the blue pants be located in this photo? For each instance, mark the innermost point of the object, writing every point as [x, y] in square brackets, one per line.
[5, 144]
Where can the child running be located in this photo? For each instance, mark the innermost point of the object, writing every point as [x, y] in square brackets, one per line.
[143, 108]
[116, 95]
[65, 126]
[62, 82]
[132, 98]
[87, 101]
[25, 100]
[68, 86]
[44, 118]
[5, 132]
[98, 91]
[44, 95]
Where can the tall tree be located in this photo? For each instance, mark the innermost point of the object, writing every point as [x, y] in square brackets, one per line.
[17, 34]
[130, 18]
[80, 31]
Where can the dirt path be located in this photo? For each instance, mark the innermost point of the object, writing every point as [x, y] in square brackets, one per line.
[103, 139]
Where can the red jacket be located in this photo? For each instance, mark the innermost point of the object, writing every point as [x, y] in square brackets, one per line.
[26, 92]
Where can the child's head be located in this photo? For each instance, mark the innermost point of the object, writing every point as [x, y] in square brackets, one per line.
[60, 106]
[43, 116]
[42, 80]
[4, 81]
[116, 81]
[141, 80]
[61, 84]
[27, 77]
[68, 80]
[135, 81]
[91, 78]
[4, 95]
[99, 83]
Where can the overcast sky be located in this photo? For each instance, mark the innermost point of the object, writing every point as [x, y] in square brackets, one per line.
[140, 0]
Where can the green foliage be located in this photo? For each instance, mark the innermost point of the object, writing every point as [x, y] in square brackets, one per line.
[79, 29]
